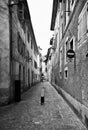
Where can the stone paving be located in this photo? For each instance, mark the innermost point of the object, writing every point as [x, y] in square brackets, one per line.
[29, 114]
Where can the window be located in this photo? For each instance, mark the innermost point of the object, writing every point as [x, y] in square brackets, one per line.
[23, 50]
[71, 44]
[20, 72]
[21, 11]
[72, 1]
[82, 23]
[21, 46]
[72, 4]
[66, 49]
[32, 76]
[62, 29]
[28, 77]
[23, 76]
[35, 64]
[55, 42]
[60, 33]
[27, 55]
[67, 11]
[60, 60]
[31, 43]
[66, 73]
[28, 35]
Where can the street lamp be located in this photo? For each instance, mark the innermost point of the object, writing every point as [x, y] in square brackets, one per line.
[12, 3]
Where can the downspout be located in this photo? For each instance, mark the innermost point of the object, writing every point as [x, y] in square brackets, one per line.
[10, 47]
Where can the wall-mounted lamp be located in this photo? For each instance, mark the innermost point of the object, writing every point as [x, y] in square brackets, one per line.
[12, 3]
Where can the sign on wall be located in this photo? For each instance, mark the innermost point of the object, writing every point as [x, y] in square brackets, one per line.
[70, 53]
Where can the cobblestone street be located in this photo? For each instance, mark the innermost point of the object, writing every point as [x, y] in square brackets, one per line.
[29, 114]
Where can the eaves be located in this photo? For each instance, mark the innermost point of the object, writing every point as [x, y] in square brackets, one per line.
[54, 12]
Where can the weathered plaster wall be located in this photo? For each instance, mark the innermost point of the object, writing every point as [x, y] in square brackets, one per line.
[4, 50]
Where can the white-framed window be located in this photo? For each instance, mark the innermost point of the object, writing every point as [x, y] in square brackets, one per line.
[66, 73]
[72, 43]
[67, 11]
[72, 4]
[83, 22]
[67, 17]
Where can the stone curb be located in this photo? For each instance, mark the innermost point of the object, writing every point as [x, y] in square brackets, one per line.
[79, 109]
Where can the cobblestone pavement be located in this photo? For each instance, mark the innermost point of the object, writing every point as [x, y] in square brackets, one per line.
[29, 114]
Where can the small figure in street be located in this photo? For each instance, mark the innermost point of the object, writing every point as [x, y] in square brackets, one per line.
[42, 96]
[42, 77]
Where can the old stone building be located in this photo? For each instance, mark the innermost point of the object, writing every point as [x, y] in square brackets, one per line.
[70, 24]
[18, 49]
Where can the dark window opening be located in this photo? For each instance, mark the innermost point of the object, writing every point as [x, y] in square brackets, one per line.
[72, 2]
[21, 11]
[21, 46]
[71, 44]
[31, 44]
[28, 35]
[23, 77]
[35, 64]
[28, 77]
[66, 73]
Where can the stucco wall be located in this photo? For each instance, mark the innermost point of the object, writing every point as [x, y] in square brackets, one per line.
[76, 83]
[4, 51]
[77, 80]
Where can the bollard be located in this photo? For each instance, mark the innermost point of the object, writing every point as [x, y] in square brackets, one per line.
[42, 96]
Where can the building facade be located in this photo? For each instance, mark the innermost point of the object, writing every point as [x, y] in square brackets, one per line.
[18, 49]
[70, 24]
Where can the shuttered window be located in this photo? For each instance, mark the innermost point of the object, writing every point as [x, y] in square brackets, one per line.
[72, 5]
[82, 23]
[21, 11]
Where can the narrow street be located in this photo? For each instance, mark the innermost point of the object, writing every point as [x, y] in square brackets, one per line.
[29, 114]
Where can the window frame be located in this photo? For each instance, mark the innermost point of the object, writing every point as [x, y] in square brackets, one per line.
[66, 41]
[82, 30]
[61, 55]
[65, 69]
[72, 5]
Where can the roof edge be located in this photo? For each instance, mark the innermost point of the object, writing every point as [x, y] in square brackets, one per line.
[54, 12]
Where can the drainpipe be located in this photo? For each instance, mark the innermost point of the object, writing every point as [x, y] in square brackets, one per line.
[10, 44]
